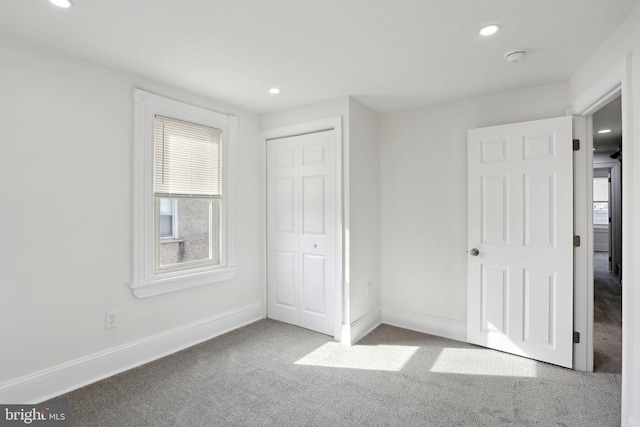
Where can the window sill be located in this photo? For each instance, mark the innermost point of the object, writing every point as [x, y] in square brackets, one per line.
[163, 241]
[159, 286]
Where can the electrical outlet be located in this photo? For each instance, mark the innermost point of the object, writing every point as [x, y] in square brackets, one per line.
[369, 286]
[111, 319]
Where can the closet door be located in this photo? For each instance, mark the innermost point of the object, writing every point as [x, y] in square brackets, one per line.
[301, 212]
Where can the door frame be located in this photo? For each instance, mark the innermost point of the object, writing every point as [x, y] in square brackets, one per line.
[617, 81]
[335, 124]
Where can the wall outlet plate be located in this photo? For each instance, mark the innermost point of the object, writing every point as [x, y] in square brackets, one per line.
[111, 319]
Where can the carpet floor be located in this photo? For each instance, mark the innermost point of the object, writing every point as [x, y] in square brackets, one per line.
[607, 317]
[273, 374]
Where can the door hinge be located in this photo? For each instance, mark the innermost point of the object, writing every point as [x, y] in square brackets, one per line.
[576, 145]
[576, 337]
[576, 241]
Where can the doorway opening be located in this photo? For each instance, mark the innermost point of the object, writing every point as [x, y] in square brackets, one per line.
[607, 237]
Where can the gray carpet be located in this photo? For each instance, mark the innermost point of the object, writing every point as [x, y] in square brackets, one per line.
[607, 317]
[274, 374]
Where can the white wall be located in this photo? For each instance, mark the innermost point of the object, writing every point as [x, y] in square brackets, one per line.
[601, 239]
[364, 211]
[66, 132]
[308, 113]
[625, 40]
[423, 175]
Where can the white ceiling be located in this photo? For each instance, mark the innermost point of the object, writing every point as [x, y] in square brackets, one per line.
[391, 55]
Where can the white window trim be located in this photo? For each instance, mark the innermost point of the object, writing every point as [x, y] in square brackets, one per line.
[146, 281]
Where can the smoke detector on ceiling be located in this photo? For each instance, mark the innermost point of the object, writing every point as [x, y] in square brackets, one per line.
[515, 55]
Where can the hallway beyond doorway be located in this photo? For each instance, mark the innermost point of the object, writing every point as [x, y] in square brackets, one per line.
[607, 317]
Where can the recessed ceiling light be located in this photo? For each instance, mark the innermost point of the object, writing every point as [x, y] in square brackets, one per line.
[62, 3]
[604, 131]
[489, 29]
[274, 90]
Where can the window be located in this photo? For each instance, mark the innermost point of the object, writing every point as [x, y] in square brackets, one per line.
[187, 177]
[168, 218]
[600, 200]
[183, 223]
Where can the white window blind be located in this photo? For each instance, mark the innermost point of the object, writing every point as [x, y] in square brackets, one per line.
[186, 159]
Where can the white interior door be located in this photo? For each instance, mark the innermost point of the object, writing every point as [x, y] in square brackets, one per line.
[520, 237]
[301, 229]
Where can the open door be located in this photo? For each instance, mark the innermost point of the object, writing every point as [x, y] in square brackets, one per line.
[520, 237]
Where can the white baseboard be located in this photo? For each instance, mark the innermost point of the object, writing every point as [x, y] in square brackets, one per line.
[345, 334]
[68, 376]
[433, 325]
[361, 327]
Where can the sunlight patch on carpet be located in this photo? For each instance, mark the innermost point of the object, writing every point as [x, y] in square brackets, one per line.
[483, 362]
[376, 358]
